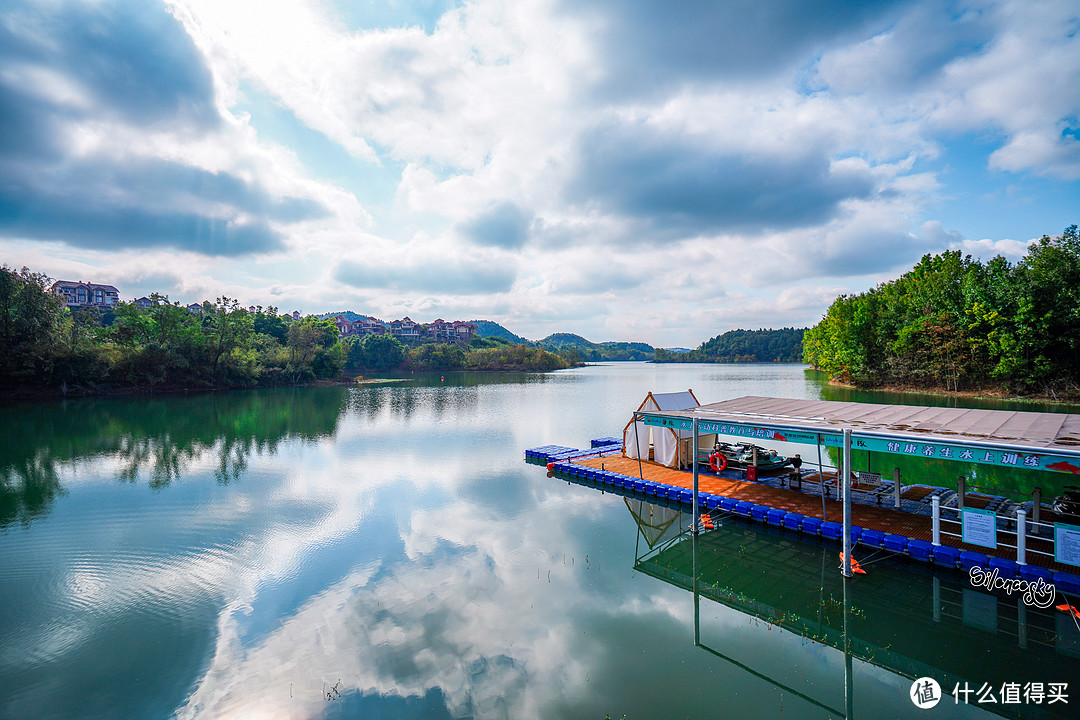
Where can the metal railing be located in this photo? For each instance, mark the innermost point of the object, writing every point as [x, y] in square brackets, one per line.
[1020, 535]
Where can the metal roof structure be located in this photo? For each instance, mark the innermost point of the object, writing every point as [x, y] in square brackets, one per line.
[1034, 440]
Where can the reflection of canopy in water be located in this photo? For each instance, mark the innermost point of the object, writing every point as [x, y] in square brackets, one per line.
[912, 620]
[637, 436]
[656, 522]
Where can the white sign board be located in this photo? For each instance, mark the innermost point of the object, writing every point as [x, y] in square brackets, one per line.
[979, 527]
[1067, 544]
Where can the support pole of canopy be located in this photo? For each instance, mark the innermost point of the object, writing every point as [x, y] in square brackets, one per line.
[846, 489]
[896, 488]
[694, 426]
[637, 445]
[821, 478]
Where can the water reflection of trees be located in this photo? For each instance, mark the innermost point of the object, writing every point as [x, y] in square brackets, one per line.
[440, 394]
[155, 439]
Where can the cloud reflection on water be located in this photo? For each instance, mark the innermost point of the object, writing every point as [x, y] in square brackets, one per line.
[384, 543]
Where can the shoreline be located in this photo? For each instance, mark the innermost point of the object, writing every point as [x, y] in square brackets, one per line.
[977, 394]
[78, 392]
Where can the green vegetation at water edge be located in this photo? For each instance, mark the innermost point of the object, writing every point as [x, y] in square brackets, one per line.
[384, 352]
[163, 346]
[741, 346]
[958, 324]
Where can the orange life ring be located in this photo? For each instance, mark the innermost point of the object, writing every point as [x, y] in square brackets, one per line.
[723, 461]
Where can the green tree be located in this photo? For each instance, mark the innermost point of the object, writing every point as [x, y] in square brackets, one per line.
[376, 352]
[268, 322]
[436, 356]
[312, 347]
[227, 327]
[30, 326]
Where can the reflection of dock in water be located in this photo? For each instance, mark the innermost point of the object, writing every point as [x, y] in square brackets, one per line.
[907, 618]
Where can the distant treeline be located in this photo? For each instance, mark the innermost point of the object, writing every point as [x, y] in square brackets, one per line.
[385, 352]
[738, 346]
[50, 348]
[955, 323]
[577, 349]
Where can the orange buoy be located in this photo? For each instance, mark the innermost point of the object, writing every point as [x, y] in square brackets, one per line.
[706, 521]
[855, 567]
[1066, 608]
[720, 458]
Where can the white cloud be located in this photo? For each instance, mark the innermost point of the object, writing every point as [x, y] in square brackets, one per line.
[519, 129]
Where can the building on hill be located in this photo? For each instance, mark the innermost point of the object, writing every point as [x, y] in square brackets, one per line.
[344, 327]
[84, 294]
[370, 326]
[405, 329]
[143, 302]
[464, 331]
[363, 325]
[440, 331]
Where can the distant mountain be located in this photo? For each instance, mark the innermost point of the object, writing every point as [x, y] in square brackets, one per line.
[676, 350]
[567, 344]
[487, 328]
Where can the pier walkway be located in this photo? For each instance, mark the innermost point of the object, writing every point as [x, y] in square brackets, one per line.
[884, 519]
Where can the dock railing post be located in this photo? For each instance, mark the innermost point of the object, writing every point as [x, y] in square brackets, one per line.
[1021, 537]
[896, 488]
[694, 429]
[846, 488]
[935, 508]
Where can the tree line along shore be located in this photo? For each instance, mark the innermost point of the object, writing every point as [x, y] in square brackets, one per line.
[963, 326]
[51, 349]
[951, 324]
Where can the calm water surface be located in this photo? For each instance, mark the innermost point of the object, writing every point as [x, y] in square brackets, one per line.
[384, 552]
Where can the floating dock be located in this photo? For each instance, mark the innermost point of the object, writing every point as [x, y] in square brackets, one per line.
[773, 501]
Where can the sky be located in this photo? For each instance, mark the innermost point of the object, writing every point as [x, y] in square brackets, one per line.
[630, 170]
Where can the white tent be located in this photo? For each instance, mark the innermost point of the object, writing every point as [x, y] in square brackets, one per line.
[665, 442]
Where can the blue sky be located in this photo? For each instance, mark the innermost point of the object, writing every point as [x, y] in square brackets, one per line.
[624, 170]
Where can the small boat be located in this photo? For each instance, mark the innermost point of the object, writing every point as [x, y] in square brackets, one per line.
[1068, 503]
[742, 454]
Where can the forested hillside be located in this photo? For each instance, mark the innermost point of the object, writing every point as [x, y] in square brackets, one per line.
[956, 323]
[577, 349]
[487, 328]
[783, 345]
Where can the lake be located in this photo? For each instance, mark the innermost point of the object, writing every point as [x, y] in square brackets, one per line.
[385, 552]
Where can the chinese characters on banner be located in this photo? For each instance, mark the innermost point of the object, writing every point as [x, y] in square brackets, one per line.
[1030, 460]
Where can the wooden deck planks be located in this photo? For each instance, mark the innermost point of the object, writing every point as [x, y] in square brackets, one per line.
[884, 519]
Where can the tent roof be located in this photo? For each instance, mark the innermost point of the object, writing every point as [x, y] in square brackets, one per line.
[675, 400]
[1059, 432]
